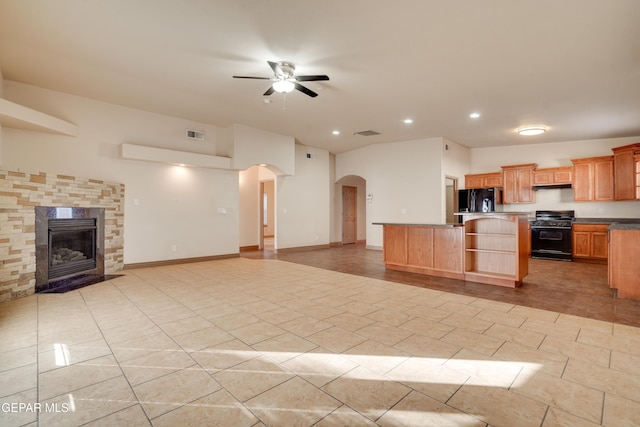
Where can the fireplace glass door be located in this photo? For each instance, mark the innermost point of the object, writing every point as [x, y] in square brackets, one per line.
[72, 246]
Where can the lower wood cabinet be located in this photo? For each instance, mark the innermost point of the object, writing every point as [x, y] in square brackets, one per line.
[590, 242]
[624, 268]
[436, 250]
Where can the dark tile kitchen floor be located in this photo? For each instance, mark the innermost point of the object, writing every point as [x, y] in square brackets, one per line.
[574, 288]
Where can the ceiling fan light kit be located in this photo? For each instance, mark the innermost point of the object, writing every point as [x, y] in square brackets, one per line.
[283, 86]
[285, 80]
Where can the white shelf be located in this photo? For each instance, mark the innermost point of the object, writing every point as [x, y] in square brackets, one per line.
[17, 116]
[173, 157]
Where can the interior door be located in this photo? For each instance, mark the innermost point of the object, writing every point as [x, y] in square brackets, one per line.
[349, 214]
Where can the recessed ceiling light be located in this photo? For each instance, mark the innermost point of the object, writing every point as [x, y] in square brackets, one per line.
[532, 130]
[336, 132]
[267, 101]
[408, 121]
[474, 115]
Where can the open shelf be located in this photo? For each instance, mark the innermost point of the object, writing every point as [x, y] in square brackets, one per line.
[17, 116]
[495, 251]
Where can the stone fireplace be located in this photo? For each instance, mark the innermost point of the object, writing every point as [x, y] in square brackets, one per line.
[69, 245]
[22, 192]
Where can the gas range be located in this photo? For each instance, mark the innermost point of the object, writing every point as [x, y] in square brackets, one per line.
[553, 219]
[551, 235]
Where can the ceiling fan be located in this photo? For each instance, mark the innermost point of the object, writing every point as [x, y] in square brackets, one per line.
[285, 79]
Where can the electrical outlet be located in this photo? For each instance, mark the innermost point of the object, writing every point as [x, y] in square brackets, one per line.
[174, 248]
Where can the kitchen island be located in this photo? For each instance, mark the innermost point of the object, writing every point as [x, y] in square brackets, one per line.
[487, 248]
[624, 256]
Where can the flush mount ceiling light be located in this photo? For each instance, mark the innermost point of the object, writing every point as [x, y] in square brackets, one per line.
[532, 130]
[283, 86]
[336, 132]
[474, 115]
[407, 121]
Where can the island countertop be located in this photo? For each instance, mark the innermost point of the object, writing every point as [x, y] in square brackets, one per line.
[417, 224]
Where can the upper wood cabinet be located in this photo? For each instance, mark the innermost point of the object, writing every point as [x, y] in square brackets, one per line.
[483, 180]
[626, 167]
[593, 179]
[551, 176]
[517, 184]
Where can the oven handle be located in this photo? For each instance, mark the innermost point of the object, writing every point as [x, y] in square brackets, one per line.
[549, 228]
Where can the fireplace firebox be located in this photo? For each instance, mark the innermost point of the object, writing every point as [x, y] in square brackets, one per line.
[72, 246]
[69, 245]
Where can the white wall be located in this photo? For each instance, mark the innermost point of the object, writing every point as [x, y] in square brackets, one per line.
[303, 201]
[456, 162]
[552, 155]
[406, 181]
[176, 206]
[254, 146]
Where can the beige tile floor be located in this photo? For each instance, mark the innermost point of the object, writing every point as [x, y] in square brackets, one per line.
[244, 342]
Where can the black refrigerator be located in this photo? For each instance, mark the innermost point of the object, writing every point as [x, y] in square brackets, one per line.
[479, 199]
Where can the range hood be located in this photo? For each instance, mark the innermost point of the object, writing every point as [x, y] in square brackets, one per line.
[551, 187]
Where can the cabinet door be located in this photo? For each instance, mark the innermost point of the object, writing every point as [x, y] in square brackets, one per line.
[473, 181]
[603, 180]
[395, 244]
[563, 175]
[581, 244]
[599, 245]
[509, 186]
[525, 184]
[582, 182]
[543, 177]
[624, 175]
[493, 180]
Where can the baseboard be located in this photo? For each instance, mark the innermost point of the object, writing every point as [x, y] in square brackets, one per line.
[336, 244]
[303, 248]
[178, 261]
[374, 248]
[251, 248]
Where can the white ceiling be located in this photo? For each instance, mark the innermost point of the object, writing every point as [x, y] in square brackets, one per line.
[572, 65]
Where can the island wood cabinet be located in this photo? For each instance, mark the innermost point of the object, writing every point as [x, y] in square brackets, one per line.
[487, 248]
[593, 179]
[517, 184]
[428, 249]
[483, 180]
[626, 172]
[624, 268]
[590, 242]
[551, 176]
[496, 249]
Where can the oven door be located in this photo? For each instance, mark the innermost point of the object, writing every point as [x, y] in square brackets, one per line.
[551, 243]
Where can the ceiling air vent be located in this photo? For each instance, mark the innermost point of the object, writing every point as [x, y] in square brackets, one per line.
[367, 133]
[195, 134]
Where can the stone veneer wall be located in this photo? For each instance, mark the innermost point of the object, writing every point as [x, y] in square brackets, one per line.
[21, 192]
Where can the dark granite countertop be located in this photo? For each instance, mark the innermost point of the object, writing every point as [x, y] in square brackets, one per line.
[607, 220]
[625, 226]
[493, 213]
[417, 224]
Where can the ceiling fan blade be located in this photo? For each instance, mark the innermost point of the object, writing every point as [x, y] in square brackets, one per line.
[249, 77]
[269, 91]
[311, 78]
[276, 68]
[305, 90]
